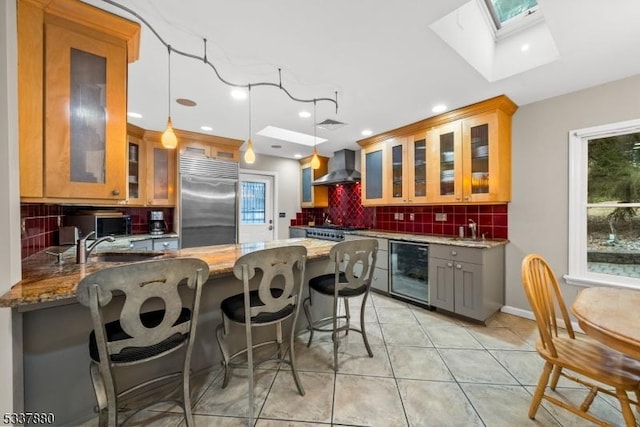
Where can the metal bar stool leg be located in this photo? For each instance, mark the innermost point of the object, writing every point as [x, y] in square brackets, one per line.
[362, 327]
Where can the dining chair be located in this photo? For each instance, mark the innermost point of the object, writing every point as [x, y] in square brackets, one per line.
[126, 333]
[566, 353]
[353, 263]
[274, 299]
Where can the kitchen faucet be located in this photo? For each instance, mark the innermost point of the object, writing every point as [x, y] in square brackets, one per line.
[474, 229]
[83, 251]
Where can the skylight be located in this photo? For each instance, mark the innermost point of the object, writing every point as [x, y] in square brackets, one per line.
[290, 136]
[505, 12]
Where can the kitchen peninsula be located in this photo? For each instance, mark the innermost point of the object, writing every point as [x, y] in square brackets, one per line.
[53, 329]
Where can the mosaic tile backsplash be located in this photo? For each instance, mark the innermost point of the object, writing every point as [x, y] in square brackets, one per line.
[345, 209]
[40, 223]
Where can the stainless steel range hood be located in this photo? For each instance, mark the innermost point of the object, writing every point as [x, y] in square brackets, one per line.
[343, 169]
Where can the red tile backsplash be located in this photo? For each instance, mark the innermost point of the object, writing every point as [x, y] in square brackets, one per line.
[345, 208]
[492, 220]
[40, 223]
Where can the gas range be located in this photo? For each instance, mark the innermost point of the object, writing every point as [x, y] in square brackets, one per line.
[330, 232]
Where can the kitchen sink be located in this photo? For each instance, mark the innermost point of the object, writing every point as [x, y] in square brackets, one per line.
[123, 256]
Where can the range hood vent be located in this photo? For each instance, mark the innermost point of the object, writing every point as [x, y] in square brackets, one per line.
[343, 169]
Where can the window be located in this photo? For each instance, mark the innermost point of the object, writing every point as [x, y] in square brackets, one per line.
[508, 12]
[604, 205]
[252, 210]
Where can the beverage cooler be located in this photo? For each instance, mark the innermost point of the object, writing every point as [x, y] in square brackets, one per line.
[409, 270]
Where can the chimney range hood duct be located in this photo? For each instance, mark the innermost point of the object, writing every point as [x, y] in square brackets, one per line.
[342, 169]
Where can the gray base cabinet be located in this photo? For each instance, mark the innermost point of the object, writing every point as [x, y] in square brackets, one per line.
[466, 281]
[380, 280]
[157, 244]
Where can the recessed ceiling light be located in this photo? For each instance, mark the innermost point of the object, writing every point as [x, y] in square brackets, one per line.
[239, 94]
[304, 114]
[207, 128]
[297, 156]
[290, 136]
[134, 115]
[366, 132]
[439, 108]
[525, 47]
[186, 102]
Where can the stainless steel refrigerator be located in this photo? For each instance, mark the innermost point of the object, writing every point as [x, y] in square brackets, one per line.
[208, 201]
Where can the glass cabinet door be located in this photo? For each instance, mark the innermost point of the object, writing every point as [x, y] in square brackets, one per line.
[134, 170]
[85, 98]
[480, 159]
[419, 169]
[447, 164]
[161, 175]
[374, 189]
[397, 159]
[306, 185]
[445, 171]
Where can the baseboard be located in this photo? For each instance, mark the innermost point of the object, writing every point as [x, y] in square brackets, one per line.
[527, 314]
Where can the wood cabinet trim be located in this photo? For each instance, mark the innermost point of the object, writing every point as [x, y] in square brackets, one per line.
[97, 20]
[501, 103]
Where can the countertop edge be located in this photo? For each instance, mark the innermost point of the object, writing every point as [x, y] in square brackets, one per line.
[43, 281]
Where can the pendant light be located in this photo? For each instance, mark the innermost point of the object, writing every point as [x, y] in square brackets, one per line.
[169, 139]
[315, 160]
[249, 155]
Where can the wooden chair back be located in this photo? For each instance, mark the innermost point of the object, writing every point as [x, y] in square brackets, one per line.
[545, 298]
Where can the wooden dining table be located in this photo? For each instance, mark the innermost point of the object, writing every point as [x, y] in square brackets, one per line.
[611, 316]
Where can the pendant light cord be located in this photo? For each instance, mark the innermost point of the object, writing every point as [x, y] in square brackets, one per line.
[169, 68]
[249, 90]
[215, 70]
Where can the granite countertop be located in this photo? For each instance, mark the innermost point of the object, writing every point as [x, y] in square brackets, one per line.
[427, 238]
[43, 280]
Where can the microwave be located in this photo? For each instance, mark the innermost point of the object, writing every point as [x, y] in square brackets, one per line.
[104, 224]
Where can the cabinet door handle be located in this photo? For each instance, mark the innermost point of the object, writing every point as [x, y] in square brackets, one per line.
[458, 266]
[115, 192]
[454, 253]
[165, 244]
[450, 264]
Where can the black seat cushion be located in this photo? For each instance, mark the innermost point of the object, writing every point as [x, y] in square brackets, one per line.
[325, 284]
[149, 319]
[233, 308]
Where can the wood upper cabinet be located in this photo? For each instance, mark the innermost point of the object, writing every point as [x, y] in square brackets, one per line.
[216, 147]
[313, 196]
[72, 128]
[407, 158]
[375, 174]
[160, 166]
[463, 156]
[136, 166]
[473, 161]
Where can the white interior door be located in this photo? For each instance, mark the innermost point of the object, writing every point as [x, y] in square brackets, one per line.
[256, 208]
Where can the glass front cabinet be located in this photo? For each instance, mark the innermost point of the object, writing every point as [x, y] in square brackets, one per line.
[408, 164]
[473, 161]
[313, 196]
[73, 100]
[463, 156]
[375, 185]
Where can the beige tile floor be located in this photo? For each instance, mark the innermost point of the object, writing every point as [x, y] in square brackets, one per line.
[428, 369]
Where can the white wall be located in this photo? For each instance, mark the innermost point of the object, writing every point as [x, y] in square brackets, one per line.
[538, 213]
[288, 187]
[9, 193]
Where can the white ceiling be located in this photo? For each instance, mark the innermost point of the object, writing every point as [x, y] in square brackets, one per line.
[388, 66]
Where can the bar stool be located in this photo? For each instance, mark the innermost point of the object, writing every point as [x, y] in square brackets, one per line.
[354, 263]
[280, 274]
[137, 336]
